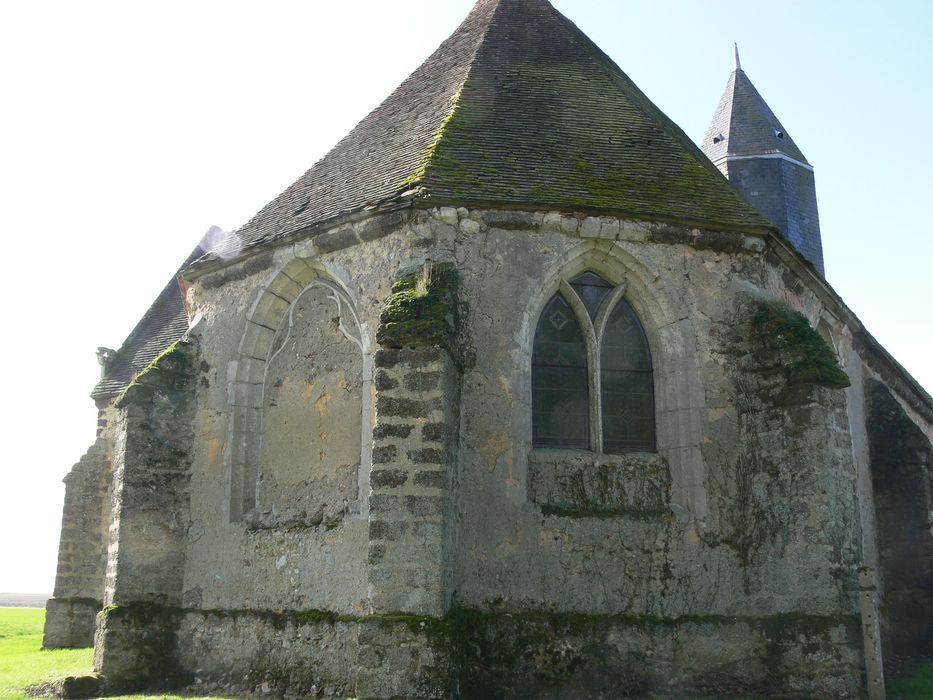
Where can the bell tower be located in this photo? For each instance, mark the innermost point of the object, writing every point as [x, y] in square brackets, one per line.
[751, 147]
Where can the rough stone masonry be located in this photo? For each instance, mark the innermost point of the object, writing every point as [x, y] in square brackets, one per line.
[369, 445]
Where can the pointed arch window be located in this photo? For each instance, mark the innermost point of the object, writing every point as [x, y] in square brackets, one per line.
[592, 375]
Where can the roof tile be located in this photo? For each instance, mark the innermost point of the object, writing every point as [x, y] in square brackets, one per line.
[518, 108]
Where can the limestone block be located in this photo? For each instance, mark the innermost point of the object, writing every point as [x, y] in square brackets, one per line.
[470, 227]
[69, 623]
[448, 215]
[569, 225]
[553, 222]
[590, 228]
[584, 484]
[609, 228]
[285, 287]
[634, 231]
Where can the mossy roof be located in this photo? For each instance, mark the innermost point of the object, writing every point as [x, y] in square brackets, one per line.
[518, 109]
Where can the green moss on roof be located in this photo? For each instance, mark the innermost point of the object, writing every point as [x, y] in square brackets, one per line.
[518, 108]
[431, 151]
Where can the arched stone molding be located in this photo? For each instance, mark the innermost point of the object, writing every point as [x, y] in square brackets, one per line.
[270, 310]
[680, 398]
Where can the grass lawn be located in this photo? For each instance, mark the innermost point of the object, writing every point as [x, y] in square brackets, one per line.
[23, 663]
[918, 685]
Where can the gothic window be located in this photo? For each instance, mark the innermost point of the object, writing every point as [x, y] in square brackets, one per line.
[561, 392]
[592, 377]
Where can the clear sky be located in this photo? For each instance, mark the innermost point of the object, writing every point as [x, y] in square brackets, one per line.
[127, 129]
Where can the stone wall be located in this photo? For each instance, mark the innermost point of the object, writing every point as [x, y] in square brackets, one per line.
[278, 496]
[82, 556]
[526, 546]
[571, 656]
[729, 557]
[412, 481]
[309, 459]
[313, 654]
[150, 519]
[414, 472]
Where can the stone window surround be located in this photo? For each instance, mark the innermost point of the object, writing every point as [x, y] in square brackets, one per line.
[680, 399]
[247, 377]
[593, 331]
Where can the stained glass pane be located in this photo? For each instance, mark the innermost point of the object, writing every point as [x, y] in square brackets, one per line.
[627, 384]
[624, 346]
[560, 395]
[592, 290]
[559, 340]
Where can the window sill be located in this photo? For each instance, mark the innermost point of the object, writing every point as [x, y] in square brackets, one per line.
[584, 484]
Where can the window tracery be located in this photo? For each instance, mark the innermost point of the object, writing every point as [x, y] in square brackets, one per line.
[592, 374]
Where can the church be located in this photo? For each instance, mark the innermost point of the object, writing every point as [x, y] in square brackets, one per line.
[516, 393]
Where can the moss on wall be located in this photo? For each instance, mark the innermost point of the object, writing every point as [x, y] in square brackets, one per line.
[140, 642]
[536, 654]
[422, 309]
[788, 406]
[783, 340]
[516, 654]
[171, 369]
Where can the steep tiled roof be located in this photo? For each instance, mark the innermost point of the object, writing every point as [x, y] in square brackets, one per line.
[745, 125]
[517, 108]
[163, 324]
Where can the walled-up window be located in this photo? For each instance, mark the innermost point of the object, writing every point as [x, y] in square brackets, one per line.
[311, 413]
[592, 376]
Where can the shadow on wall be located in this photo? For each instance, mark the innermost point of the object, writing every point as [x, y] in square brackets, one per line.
[901, 459]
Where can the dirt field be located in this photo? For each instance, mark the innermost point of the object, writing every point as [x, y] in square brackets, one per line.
[23, 600]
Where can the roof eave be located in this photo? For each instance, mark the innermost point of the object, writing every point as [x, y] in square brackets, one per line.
[762, 228]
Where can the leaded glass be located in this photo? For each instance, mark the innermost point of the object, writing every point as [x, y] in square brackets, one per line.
[624, 346]
[560, 397]
[626, 383]
[592, 290]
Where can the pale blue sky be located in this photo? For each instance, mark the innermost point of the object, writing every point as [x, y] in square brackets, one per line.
[128, 129]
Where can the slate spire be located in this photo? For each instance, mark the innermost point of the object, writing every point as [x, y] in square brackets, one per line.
[751, 147]
[517, 109]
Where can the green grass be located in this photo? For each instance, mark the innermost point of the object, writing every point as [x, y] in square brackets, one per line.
[916, 686]
[23, 662]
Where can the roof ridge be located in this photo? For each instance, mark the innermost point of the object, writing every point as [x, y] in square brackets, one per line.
[420, 175]
[283, 213]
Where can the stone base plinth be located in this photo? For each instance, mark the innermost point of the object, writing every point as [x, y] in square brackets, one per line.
[69, 623]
